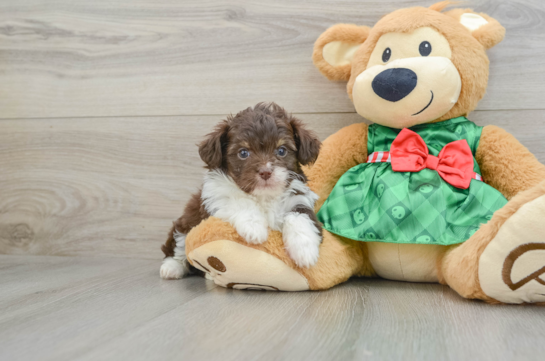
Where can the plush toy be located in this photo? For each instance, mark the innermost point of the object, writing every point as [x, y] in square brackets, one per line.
[422, 194]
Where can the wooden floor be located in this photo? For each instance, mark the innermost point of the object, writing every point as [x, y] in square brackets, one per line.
[101, 104]
[72, 308]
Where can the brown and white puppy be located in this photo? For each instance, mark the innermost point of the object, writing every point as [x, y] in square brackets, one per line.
[255, 182]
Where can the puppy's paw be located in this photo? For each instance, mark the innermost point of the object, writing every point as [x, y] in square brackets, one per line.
[253, 231]
[301, 239]
[172, 269]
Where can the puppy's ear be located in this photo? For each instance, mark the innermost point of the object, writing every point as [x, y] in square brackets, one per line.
[212, 148]
[307, 143]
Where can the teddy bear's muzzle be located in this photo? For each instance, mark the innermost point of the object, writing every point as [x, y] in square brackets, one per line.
[408, 91]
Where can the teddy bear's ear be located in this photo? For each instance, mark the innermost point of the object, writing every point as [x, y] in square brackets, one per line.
[487, 30]
[335, 48]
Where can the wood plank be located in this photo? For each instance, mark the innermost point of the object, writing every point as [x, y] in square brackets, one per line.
[61, 58]
[102, 186]
[112, 186]
[363, 319]
[58, 307]
[117, 309]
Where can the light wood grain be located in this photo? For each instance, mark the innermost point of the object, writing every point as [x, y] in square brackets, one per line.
[58, 307]
[101, 105]
[112, 186]
[61, 58]
[103, 186]
[65, 308]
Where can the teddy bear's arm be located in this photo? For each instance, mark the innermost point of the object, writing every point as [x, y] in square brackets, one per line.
[340, 152]
[506, 164]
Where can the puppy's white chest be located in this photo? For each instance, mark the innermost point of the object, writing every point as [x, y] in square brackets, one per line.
[273, 211]
[222, 198]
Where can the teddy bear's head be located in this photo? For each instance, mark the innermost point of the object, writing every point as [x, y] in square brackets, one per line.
[415, 66]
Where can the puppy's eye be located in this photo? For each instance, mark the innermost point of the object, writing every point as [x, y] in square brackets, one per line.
[386, 54]
[424, 48]
[243, 153]
[282, 151]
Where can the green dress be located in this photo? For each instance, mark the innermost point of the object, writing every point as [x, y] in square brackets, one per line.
[371, 202]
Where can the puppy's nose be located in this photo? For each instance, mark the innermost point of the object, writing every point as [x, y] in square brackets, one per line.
[265, 173]
[394, 84]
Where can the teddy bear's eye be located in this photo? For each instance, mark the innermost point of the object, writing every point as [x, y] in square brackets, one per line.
[424, 48]
[386, 55]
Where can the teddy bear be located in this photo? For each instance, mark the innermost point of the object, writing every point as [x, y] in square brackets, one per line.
[422, 194]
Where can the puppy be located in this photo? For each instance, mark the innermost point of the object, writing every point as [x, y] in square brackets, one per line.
[255, 182]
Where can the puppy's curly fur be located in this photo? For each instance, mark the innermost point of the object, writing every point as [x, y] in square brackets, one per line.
[255, 182]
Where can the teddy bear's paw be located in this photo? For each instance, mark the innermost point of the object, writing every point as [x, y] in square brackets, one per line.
[301, 239]
[512, 267]
[172, 269]
[232, 265]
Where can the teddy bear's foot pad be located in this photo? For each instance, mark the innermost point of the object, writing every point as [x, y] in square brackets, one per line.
[233, 265]
[512, 267]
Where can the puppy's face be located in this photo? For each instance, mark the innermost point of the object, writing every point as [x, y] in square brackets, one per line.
[261, 148]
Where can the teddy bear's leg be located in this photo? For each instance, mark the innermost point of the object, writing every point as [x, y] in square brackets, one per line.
[214, 247]
[504, 261]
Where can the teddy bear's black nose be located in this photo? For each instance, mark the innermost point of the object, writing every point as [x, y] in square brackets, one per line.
[394, 84]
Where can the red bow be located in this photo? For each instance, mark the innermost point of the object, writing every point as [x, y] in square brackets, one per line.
[454, 164]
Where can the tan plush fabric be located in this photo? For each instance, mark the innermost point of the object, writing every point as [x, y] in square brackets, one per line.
[505, 164]
[460, 266]
[468, 48]
[347, 33]
[468, 55]
[405, 262]
[233, 265]
[339, 259]
[338, 53]
[431, 70]
[511, 267]
[488, 35]
[340, 152]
